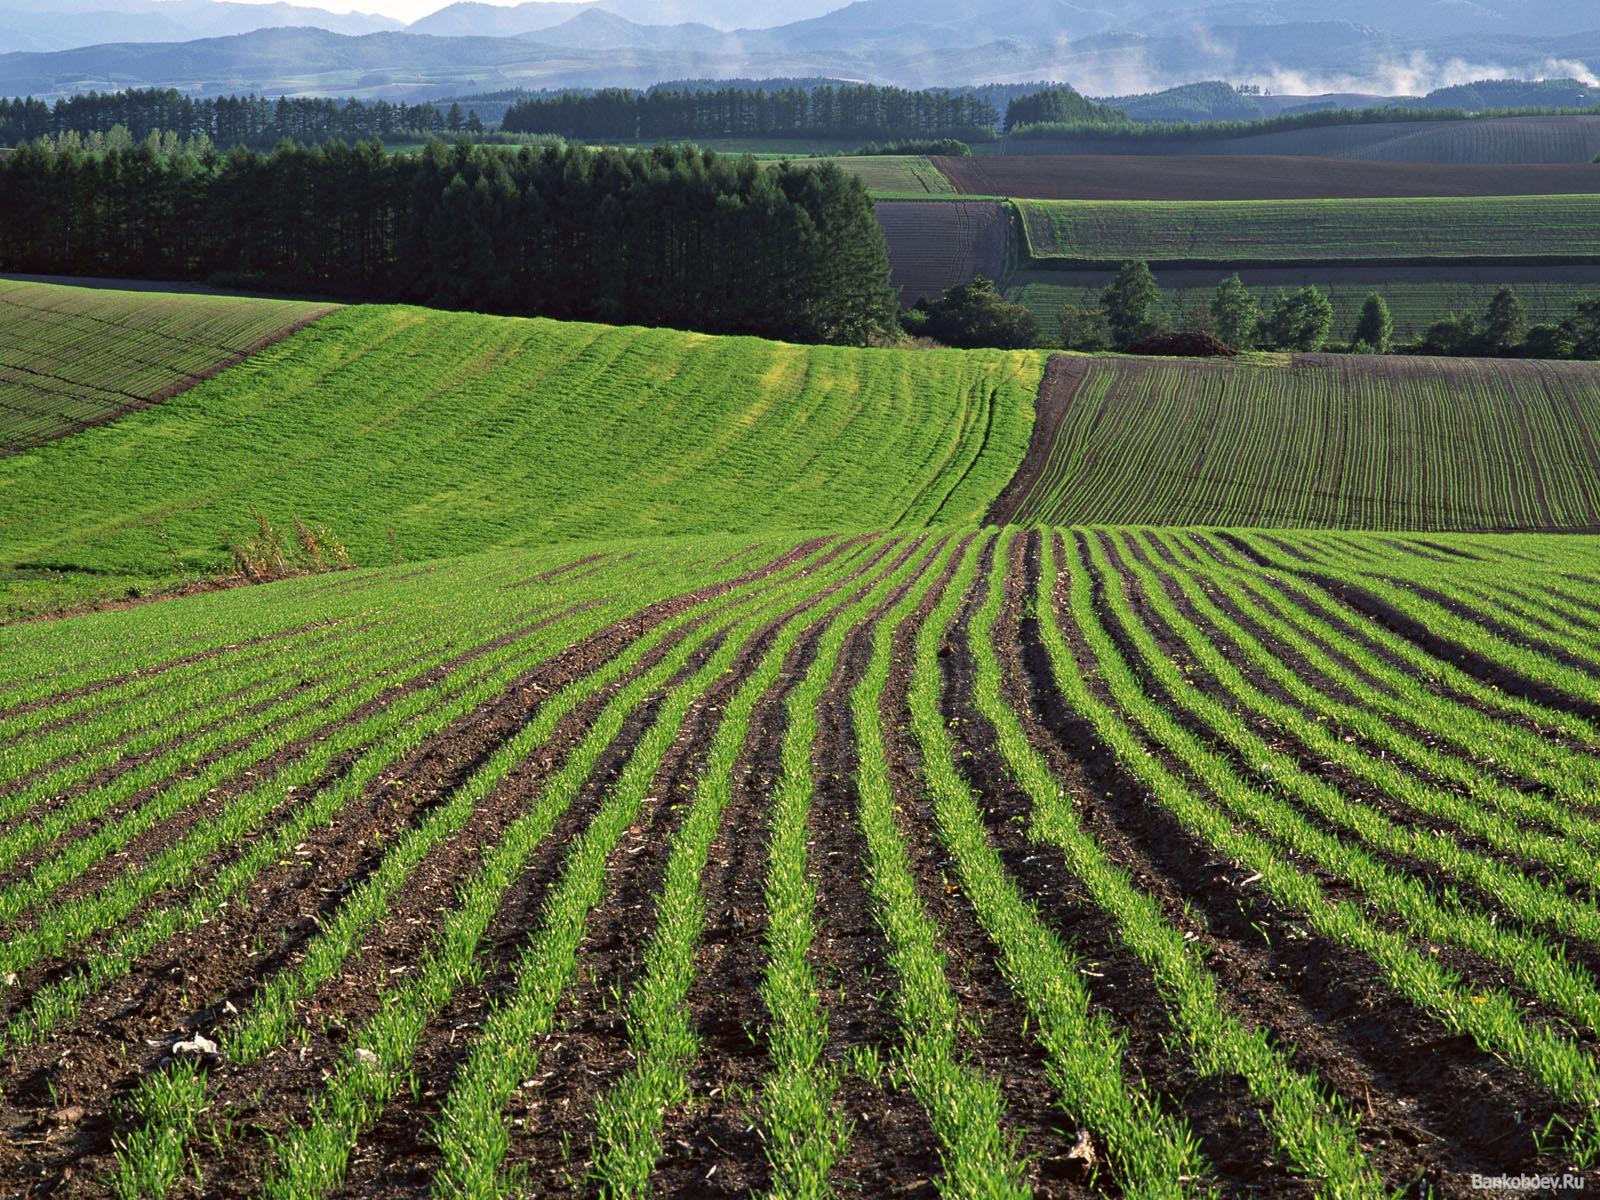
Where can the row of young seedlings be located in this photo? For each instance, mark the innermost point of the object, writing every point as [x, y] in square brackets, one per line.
[395, 732]
[268, 1021]
[363, 674]
[151, 1159]
[313, 1158]
[1315, 1131]
[1493, 1017]
[63, 925]
[806, 1132]
[1491, 732]
[1537, 965]
[1505, 815]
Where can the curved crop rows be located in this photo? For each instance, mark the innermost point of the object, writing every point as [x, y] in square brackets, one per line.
[71, 358]
[994, 863]
[414, 434]
[1321, 441]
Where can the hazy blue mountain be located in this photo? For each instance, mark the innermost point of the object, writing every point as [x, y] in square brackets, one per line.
[595, 29]
[471, 18]
[1094, 44]
[66, 24]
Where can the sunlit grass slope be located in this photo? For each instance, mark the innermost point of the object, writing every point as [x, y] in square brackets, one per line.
[461, 432]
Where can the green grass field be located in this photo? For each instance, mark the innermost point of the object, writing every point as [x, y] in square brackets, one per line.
[510, 787]
[1417, 297]
[897, 174]
[1317, 442]
[75, 357]
[711, 805]
[461, 432]
[1298, 231]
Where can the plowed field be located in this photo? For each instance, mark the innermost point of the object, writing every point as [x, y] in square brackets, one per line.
[1249, 177]
[975, 864]
[939, 244]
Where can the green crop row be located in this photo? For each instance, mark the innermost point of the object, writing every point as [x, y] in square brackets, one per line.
[1329, 442]
[407, 431]
[1284, 231]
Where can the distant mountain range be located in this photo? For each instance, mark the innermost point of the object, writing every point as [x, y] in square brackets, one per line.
[1390, 47]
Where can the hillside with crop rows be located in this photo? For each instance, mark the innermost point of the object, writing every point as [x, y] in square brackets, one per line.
[71, 358]
[1316, 441]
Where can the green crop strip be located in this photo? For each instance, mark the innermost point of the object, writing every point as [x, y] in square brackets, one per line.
[1317, 1134]
[1279, 231]
[629, 1115]
[964, 1106]
[409, 723]
[312, 1159]
[1299, 614]
[1320, 733]
[1492, 1017]
[387, 418]
[268, 1022]
[1538, 966]
[1153, 1154]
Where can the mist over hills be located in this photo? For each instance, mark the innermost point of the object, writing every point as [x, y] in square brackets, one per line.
[1102, 46]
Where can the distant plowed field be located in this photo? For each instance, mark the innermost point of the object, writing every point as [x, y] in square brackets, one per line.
[1573, 139]
[1417, 296]
[1326, 441]
[71, 358]
[978, 864]
[1297, 231]
[939, 244]
[1261, 177]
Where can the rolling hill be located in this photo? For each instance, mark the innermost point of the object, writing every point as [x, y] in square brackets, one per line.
[742, 814]
[454, 432]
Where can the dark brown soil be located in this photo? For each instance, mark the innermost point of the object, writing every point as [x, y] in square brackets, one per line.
[1252, 177]
[1063, 375]
[939, 244]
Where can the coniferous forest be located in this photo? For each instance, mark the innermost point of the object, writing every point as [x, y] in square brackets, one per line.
[671, 236]
[850, 110]
[257, 121]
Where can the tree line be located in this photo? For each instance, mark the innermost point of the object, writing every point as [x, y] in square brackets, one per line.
[862, 111]
[1130, 309]
[672, 236]
[228, 121]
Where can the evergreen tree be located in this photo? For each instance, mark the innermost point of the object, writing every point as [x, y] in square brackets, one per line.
[673, 236]
[1132, 302]
[1505, 325]
[1235, 314]
[1375, 328]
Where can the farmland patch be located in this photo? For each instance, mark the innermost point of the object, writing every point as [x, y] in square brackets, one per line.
[72, 358]
[1331, 441]
[936, 245]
